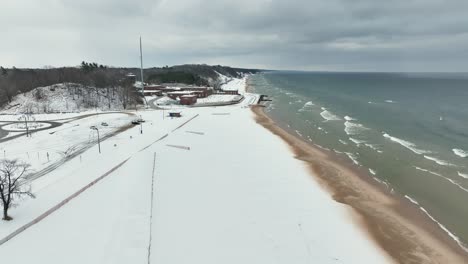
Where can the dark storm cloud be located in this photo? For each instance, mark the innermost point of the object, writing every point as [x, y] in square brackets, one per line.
[410, 35]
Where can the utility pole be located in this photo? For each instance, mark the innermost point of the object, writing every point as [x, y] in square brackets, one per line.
[98, 139]
[141, 73]
[26, 124]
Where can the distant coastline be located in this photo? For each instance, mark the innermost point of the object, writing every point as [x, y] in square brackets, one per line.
[396, 225]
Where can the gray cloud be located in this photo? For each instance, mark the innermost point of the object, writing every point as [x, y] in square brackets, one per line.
[393, 35]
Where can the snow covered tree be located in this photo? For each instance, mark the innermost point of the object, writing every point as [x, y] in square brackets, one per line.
[13, 183]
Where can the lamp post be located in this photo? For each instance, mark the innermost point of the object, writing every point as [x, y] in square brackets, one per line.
[99, 141]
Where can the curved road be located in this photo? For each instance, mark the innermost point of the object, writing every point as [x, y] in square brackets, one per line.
[53, 124]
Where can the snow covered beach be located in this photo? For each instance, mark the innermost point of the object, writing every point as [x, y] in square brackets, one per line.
[210, 187]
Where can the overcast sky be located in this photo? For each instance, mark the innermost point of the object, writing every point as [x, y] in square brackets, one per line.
[341, 35]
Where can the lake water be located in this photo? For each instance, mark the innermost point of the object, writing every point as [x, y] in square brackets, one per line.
[409, 131]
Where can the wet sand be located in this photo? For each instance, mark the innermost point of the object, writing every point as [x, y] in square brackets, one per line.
[398, 227]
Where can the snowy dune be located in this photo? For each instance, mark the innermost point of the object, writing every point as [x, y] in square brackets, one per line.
[236, 196]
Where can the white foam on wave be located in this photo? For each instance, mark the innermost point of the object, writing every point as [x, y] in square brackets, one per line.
[409, 145]
[354, 128]
[445, 178]
[428, 171]
[453, 236]
[411, 200]
[324, 148]
[441, 226]
[299, 133]
[439, 161]
[306, 106]
[357, 141]
[372, 172]
[343, 142]
[390, 101]
[373, 147]
[460, 152]
[352, 157]
[348, 118]
[381, 182]
[463, 175]
[329, 116]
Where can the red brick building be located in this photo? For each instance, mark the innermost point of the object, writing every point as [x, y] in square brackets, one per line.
[188, 99]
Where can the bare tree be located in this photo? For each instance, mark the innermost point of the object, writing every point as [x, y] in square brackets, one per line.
[13, 183]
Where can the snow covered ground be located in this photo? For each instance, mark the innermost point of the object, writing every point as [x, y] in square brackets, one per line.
[234, 84]
[45, 147]
[64, 97]
[219, 99]
[226, 190]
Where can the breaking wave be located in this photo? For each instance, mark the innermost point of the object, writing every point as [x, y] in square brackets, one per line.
[352, 157]
[445, 178]
[428, 171]
[463, 175]
[357, 141]
[411, 200]
[306, 106]
[439, 161]
[373, 147]
[353, 128]
[372, 171]
[460, 152]
[343, 142]
[409, 145]
[329, 116]
[453, 236]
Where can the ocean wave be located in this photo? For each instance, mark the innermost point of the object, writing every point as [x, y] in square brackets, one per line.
[348, 118]
[428, 171]
[411, 200]
[343, 142]
[354, 128]
[381, 182]
[390, 101]
[357, 141]
[409, 145]
[460, 152]
[463, 175]
[352, 157]
[306, 107]
[337, 151]
[299, 133]
[329, 116]
[453, 236]
[373, 147]
[324, 148]
[439, 161]
[445, 178]
[372, 171]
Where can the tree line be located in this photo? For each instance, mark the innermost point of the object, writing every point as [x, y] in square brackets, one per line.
[15, 81]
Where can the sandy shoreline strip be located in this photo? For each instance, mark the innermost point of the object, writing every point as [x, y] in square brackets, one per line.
[397, 226]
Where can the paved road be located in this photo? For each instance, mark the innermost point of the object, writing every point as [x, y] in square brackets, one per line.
[4, 133]
[76, 149]
[53, 124]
